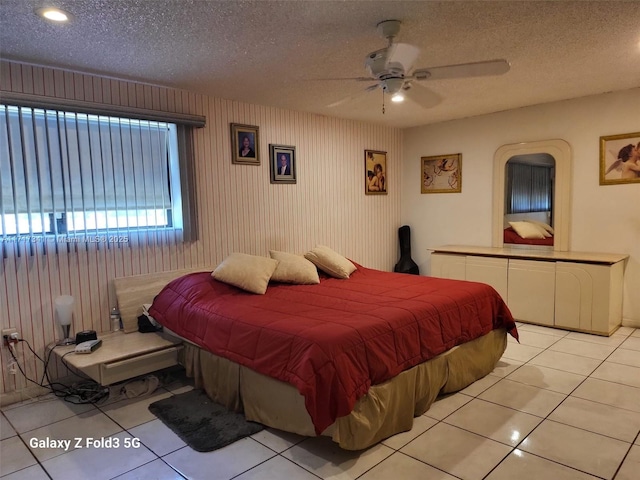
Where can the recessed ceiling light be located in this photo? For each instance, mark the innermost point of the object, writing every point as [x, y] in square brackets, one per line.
[54, 14]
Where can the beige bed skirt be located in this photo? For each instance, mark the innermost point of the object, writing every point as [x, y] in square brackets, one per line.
[387, 409]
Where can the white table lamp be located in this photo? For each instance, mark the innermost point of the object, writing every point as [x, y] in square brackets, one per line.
[64, 310]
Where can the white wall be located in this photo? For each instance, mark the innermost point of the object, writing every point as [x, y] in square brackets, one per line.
[604, 218]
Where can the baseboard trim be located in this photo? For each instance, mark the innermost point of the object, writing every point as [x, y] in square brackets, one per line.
[32, 391]
[21, 395]
[630, 323]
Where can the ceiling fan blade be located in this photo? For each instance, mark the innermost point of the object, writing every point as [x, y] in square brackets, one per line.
[402, 56]
[423, 96]
[357, 79]
[463, 70]
[354, 96]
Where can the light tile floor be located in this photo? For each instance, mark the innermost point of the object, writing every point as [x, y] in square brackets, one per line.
[559, 405]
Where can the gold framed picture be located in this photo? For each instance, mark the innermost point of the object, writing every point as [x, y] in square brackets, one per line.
[620, 159]
[375, 172]
[244, 144]
[441, 174]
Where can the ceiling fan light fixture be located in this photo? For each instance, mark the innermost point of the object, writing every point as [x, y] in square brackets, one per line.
[54, 14]
[393, 86]
[397, 98]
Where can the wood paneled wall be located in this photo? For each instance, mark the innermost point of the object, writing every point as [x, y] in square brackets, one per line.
[238, 208]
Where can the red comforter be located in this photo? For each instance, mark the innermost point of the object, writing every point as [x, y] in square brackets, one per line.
[510, 236]
[334, 340]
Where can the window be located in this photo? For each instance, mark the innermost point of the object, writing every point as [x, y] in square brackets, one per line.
[81, 177]
[529, 188]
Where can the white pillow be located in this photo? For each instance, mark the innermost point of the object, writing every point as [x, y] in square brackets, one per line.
[248, 272]
[294, 269]
[547, 228]
[541, 228]
[527, 229]
[330, 262]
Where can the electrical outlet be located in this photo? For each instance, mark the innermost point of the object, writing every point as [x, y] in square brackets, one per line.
[6, 332]
[10, 335]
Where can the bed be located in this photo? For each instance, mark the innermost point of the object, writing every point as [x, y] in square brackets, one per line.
[353, 359]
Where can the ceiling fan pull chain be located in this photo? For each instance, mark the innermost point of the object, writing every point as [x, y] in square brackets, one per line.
[382, 101]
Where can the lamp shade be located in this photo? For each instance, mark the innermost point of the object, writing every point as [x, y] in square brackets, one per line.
[64, 309]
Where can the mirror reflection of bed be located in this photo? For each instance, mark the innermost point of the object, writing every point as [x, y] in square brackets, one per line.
[528, 196]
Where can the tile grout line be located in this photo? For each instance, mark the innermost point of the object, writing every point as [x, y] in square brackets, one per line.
[567, 396]
[443, 420]
[554, 409]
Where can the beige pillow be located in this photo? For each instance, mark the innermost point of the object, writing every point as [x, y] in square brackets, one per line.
[527, 230]
[248, 272]
[547, 228]
[294, 269]
[330, 262]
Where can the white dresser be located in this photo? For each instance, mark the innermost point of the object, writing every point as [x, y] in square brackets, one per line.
[579, 291]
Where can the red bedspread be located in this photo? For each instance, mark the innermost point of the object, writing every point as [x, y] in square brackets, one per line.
[510, 236]
[334, 340]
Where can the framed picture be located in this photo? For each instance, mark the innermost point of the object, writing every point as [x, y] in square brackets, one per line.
[282, 163]
[375, 172]
[441, 174]
[620, 159]
[244, 144]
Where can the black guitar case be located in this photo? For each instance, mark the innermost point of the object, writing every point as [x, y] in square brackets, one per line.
[405, 264]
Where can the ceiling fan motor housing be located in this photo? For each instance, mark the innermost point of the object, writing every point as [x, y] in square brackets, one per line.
[377, 66]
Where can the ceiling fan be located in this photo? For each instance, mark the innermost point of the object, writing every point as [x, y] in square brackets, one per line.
[392, 70]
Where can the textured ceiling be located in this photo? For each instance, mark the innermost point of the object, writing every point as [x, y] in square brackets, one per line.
[275, 52]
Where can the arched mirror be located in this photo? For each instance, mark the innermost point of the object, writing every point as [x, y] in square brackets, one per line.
[531, 189]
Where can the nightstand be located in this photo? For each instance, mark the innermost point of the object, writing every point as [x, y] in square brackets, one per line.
[124, 355]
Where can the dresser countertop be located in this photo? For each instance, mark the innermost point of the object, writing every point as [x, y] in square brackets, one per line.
[532, 254]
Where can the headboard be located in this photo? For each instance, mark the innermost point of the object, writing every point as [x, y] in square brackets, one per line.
[132, 292]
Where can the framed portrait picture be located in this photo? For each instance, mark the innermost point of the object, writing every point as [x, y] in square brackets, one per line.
[441, 174]
[620, 159]
[244, 144]
[375, 172]
[282, 163]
